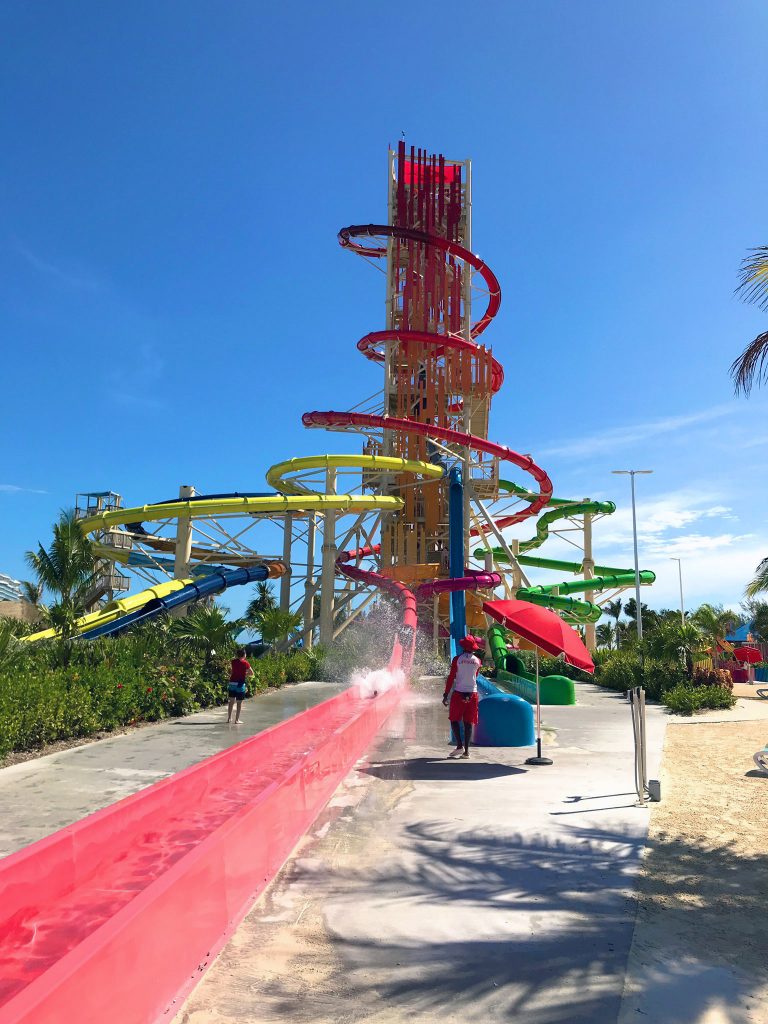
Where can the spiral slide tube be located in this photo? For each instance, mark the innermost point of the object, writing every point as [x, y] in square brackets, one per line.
[510, 723]
[606, 578]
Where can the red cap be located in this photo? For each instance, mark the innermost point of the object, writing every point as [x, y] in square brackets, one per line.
[470, 643]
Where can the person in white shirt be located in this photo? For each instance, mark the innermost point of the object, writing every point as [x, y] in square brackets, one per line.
[464, 701]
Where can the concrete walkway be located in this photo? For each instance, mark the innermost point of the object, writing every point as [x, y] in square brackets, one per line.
[40, 796]
[435, 890]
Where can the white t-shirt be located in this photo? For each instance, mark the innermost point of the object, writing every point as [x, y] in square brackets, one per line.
[464, 672]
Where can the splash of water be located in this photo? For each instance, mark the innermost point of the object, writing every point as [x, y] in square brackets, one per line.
[372, 682]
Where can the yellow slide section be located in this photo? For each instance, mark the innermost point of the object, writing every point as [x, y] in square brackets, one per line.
[295, 497]
[115, 609]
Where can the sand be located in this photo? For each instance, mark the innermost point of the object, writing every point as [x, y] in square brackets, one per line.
[701, 940]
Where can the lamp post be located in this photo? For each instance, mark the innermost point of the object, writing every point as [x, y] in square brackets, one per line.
[680, 574]
[632, 473]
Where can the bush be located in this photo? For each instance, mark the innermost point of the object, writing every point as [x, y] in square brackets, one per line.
[683, 700]
[660, 676]
[620, 670]
[298, 667]
[57, 690]
[713, 677]
[686, 699]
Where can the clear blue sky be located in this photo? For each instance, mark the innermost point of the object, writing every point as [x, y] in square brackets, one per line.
[172, 296]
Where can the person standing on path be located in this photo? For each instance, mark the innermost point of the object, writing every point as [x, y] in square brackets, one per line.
[464, 701]
[239, 672]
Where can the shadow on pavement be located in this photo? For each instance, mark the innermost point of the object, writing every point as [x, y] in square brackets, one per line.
[432, 768]
[568, 965]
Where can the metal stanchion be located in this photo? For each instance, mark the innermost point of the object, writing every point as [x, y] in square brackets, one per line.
[645, 789]
[538, 758]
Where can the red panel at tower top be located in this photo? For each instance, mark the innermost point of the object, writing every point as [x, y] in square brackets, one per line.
[410, 172]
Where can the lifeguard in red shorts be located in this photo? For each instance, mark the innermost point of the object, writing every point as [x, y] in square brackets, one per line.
[462, 679]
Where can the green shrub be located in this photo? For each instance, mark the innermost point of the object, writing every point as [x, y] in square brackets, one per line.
[683, 700]
[716, 698]
[660, 676]
[298, 667]
[686, 699]
[620, 670]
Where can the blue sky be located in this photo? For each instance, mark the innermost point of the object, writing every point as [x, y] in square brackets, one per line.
[172, 296]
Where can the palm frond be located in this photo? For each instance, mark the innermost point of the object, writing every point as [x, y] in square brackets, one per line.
[753, 277]
[759, 584]
[751, 367]
[32, 592]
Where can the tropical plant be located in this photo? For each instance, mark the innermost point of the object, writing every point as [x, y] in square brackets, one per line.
[759, 582]
[606, 634]
[684, 699]
[650, 617]
[264, 601]
[208, 630]
[614, 608]
[276, 624]
[750, 367]
[673, 641]
[714, 622]
[755, 613]
[10, 648]
[67, 569]
[32, 593]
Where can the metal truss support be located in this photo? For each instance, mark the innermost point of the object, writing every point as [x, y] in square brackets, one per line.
[285, 579]
[328, 569]
[309, 584]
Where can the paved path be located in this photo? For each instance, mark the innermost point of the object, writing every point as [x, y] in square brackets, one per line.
[40, 796]
[434, 890]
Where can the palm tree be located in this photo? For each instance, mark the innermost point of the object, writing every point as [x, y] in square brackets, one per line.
[650, 617]
[713, 622]
[673, 641]
[614, 610]
[276, 625]
[264, 600]
[606, 635]
[207, 629]
[755, 612]
[67, 569]
[750, 367]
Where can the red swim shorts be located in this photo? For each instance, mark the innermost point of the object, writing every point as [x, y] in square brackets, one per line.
[463, 707]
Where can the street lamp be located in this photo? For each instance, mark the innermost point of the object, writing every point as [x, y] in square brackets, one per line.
[680, 573]
[632, 473]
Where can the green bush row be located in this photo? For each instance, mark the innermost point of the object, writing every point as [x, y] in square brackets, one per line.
[68, 689]
[622, 670]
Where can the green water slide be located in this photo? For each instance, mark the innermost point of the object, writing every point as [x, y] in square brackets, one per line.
[606, 577]
[512, 675]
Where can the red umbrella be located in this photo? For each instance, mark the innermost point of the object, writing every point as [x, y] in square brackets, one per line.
[748, 654]
[543, 628]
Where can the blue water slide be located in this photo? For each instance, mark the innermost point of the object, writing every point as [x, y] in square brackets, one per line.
[456, 555]
[504, 719]
[207, 586]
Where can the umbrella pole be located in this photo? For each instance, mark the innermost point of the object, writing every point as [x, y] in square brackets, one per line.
[538, 759]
